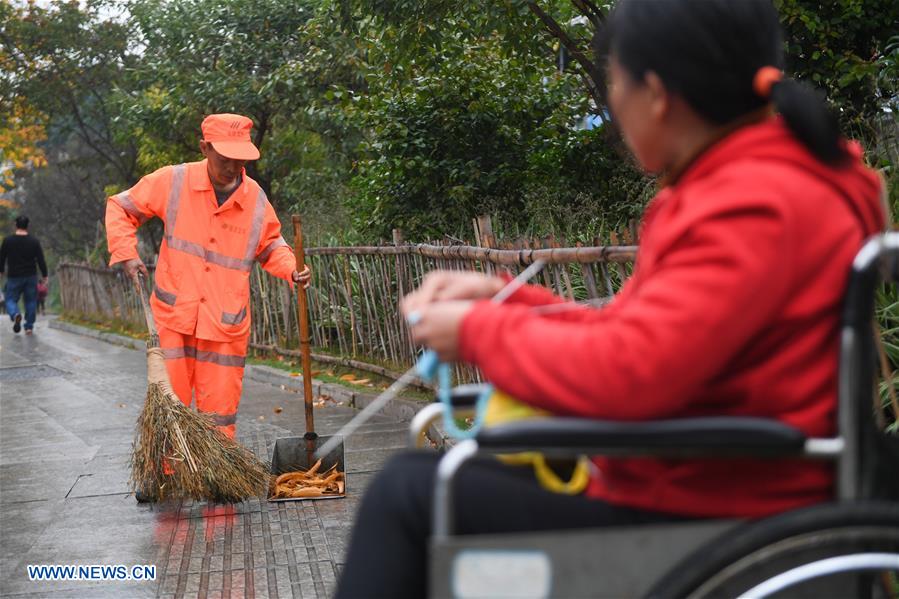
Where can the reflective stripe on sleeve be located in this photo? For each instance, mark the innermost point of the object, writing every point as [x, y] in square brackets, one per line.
[231, 318]
[164, 296]
[265, 253]
[124, 200]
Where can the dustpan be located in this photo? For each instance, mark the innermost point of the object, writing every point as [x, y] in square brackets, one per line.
[299, 453]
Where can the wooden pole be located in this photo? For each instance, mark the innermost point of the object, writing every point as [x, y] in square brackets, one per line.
[485, 237]
[303, 319]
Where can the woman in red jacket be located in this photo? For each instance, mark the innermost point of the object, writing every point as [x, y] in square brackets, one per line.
[732, 308]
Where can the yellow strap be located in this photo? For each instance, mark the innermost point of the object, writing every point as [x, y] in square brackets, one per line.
[550, 481]
[547, 477]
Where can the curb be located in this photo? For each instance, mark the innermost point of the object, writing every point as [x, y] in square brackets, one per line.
[401, 409]
[113, 338]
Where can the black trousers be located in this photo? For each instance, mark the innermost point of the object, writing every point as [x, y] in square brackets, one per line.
[387, 556]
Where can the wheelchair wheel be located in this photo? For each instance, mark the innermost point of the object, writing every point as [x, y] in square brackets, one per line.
[834, 550]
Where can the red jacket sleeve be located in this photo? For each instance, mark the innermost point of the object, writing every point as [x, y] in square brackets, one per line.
[654, 348]
[536, 296]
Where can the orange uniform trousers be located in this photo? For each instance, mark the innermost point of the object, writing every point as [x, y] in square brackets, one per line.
[211, 372]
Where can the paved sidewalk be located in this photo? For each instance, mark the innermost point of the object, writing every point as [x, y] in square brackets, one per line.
[68, 405]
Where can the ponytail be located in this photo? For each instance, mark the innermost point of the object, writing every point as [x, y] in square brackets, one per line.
[725, 58]
[810, 120]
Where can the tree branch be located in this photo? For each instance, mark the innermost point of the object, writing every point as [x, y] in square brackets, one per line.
[588, 67]
[591, 11]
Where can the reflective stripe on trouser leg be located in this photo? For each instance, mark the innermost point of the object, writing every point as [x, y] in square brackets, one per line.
[179, 351]
[218, 380]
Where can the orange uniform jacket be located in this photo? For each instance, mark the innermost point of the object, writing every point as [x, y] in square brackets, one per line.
[202, 277]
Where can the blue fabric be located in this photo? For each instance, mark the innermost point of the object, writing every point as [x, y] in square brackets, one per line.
[16, 287]
[429, 366]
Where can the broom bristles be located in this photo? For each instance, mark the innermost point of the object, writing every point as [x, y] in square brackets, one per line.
[205, 464]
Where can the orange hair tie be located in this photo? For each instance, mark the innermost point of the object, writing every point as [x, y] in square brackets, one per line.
[764, 80]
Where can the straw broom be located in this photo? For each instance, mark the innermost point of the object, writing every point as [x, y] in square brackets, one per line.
[204, 464]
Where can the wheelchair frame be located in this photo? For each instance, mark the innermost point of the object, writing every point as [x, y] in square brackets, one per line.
[650, 545]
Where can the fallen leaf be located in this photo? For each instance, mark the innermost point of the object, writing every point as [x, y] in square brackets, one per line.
[347, 377]
[295, 374]
[278, 410]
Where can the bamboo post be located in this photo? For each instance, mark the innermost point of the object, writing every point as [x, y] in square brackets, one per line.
[391, 312]
[349, 298]
[484, 235]
[303, 318]
[589, 279]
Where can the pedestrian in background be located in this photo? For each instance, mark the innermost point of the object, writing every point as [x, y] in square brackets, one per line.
[20, 257]
[42, 291]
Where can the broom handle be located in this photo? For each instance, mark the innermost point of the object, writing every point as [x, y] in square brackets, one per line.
[145, 306]
[303, 320]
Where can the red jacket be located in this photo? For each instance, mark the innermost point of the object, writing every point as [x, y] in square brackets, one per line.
[733, 309]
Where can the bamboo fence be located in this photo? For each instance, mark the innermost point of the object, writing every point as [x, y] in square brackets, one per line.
[355, 293]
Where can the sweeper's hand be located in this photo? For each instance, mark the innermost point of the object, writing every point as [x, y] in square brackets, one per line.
[304, 278]
[445, 285]
[134, 266]
[438, 325]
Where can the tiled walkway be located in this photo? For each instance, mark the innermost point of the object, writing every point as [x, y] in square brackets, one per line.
[68, 405]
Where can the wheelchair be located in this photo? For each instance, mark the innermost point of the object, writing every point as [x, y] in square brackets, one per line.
[845, 548]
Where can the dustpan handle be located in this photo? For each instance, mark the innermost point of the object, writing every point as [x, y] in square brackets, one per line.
[153, 341]
[303, 323]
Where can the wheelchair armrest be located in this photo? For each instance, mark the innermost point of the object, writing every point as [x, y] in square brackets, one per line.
[465, 396]
[463, 399]
[712, 436]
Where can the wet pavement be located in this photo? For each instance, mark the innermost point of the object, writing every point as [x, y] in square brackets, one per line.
[68, 405]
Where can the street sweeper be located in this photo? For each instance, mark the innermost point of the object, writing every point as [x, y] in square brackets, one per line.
[218, 224]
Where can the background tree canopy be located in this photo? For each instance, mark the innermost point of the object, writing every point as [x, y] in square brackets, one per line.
[370, 114]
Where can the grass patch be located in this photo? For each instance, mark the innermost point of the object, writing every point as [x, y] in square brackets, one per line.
[115, 326]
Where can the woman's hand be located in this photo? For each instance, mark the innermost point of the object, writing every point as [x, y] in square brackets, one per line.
[437, 326]
[446, 285]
